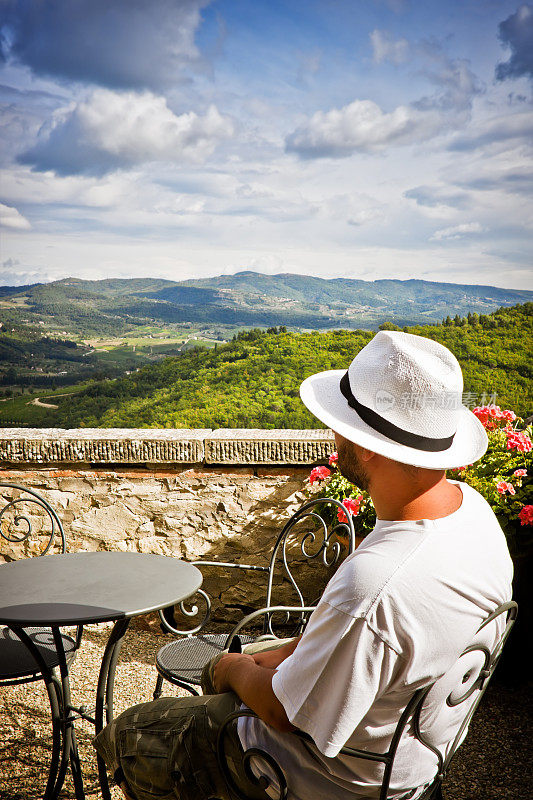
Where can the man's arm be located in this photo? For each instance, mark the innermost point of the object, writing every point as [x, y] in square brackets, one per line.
[273, 658]
[238, 672]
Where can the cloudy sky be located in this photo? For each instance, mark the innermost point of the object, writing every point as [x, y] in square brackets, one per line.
[189, 138]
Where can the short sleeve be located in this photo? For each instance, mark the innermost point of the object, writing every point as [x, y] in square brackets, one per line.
[338, 669]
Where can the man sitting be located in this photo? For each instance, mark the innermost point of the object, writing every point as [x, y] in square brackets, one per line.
[395, 616]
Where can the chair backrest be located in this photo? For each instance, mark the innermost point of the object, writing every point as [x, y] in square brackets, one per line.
[314, 540]
[305, 555]
[439, 712]
[28, 524]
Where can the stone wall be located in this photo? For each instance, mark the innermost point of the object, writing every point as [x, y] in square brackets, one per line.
[221, 495]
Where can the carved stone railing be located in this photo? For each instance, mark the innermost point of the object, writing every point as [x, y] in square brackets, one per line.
[99, 446]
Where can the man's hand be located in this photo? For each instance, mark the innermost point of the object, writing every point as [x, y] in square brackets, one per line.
[222, 668]
[239, 673]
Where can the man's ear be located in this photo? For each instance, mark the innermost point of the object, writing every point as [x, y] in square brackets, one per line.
[366, 455]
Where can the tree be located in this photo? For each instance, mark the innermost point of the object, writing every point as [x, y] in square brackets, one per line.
[389, 326]
[11, 376]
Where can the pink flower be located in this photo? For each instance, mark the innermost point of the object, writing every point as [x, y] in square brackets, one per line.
[352, 507]
[503, 487]
[319, 474]
[526, 515]
[487, 415]
[333, 459]
[518, 440]
[520, 473]
[481, 413]
[490, 416]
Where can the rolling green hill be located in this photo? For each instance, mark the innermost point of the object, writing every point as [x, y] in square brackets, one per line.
[253, 381]
[247, 299]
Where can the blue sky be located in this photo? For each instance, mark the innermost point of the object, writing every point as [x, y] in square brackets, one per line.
[340, 138]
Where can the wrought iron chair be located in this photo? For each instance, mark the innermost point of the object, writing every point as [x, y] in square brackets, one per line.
[181, 662]
[456, 694]
[25, 510]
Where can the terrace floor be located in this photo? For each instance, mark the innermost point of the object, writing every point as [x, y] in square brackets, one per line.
[493, 763]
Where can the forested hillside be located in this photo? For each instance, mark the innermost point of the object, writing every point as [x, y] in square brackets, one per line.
[253, 381]
[246, 299]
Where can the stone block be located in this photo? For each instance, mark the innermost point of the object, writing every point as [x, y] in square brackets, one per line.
[253, 446]
[108, 524]
[102, 445]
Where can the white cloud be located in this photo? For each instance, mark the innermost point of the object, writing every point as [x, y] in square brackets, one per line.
[11, 218]
[507, 129]
[385, 48]
[457, 231]
[112, 130]
[436, 197]
[457, 85]
[362, 126]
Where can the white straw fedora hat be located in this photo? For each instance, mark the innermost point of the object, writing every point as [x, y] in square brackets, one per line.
[402, 398]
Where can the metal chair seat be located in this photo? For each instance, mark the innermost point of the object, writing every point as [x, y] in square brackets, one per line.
[184, 659]
[17, 663]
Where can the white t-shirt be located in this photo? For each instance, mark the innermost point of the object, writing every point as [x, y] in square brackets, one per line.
[395, 616]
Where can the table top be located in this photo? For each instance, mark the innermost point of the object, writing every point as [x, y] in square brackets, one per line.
[79, 588]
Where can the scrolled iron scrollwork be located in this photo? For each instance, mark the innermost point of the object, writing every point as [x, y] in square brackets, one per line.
[329, 540]
[191, 612]
[249, 756]
[20, 519]
[319, 544]
[477, 677]
[482, 674]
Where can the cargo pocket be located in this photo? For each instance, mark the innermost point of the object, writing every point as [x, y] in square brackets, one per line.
[144, 757]
[194, 765]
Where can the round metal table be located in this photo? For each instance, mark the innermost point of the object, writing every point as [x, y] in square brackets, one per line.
[77, 589]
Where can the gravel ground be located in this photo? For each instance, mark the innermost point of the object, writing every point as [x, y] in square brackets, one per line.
[494, 763]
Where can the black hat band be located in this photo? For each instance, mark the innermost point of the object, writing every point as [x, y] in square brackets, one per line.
[381, 425]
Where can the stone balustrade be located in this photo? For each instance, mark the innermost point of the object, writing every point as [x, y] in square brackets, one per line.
[99, 446]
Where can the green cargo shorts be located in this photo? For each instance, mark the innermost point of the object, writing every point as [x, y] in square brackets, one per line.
[167, 749]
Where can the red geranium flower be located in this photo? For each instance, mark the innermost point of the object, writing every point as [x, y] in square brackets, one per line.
[352, 506]
[518, 440]
[504, 486]
[520, 473]
[526, 515]
[319, 474]
[333, 459]
[490, 416]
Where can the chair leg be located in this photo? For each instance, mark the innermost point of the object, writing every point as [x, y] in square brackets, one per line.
[158, 691]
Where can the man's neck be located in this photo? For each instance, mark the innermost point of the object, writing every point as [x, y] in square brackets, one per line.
[404, 500]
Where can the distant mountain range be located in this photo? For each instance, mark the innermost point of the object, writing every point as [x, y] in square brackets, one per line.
[248, 299]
